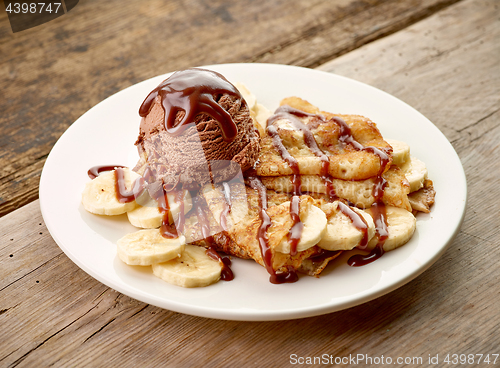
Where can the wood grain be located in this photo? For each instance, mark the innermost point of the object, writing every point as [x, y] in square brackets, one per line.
[53, 314]
[51, 74]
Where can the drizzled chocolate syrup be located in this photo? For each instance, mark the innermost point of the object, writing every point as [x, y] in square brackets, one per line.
[380, 219]
[295, 232]
[122, 194]
[358, 221]
[291, 114]
[94, 171]
[346, 137]
[192, 91]
[167, 230]
[201, 209]
[286, 277]
[324, 254]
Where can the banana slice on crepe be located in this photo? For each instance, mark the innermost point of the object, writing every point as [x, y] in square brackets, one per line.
[194, 268]
[146, 247]
[341, 233]
[400, 152]
[314, 227]
[415, 172]
[401, 226]
[100, 195]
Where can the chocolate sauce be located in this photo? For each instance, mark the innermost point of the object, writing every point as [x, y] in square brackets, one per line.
[291, 114]
[193, 91]
[323, 255]
[278, 143]
[286, 277]
[346, 137]
[358, 221]
[379, 215]
[227, 206]
[296, 185]
[226, 272]
[96, 170]
[295, 232]
[330, 189]
[201, 214]
[380, 219]
[122, 194]
[167, 230]
[362, 260]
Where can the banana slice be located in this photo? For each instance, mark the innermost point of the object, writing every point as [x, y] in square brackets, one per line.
[99, 195]
[193, 268]
[341, 234]
[249, 97]
[148, 215]
[401, 226]
[400, 152]
[259, 112]
[146, 247]
[262, 113]
[314, 227]
[416, 173]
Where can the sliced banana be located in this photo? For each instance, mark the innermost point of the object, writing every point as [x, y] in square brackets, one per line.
[341, 233]
[194, 268]
[259, 112]
[400, 152]
[262, 113]
[416, 173]
[146, 247]
[401, 226]
[314, 223]
[148, 215]
[99, 195]
[247, 95]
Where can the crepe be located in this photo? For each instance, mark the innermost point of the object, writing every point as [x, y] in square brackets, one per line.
[238, 236]
[359, 193]
[345, 161]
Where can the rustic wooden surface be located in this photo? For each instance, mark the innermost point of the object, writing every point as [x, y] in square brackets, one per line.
[51, 74]
[446, 65]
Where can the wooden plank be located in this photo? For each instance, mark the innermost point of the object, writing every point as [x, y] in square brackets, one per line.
[51, 74]
[69, 319]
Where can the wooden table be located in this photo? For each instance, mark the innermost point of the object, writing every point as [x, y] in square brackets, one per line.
[440, 56]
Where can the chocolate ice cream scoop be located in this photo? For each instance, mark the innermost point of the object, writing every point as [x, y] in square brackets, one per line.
[195, 128]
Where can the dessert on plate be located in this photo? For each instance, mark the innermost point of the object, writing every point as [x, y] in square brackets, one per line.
[220, 176]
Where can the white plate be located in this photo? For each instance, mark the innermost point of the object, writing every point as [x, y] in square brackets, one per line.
[106, 135]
